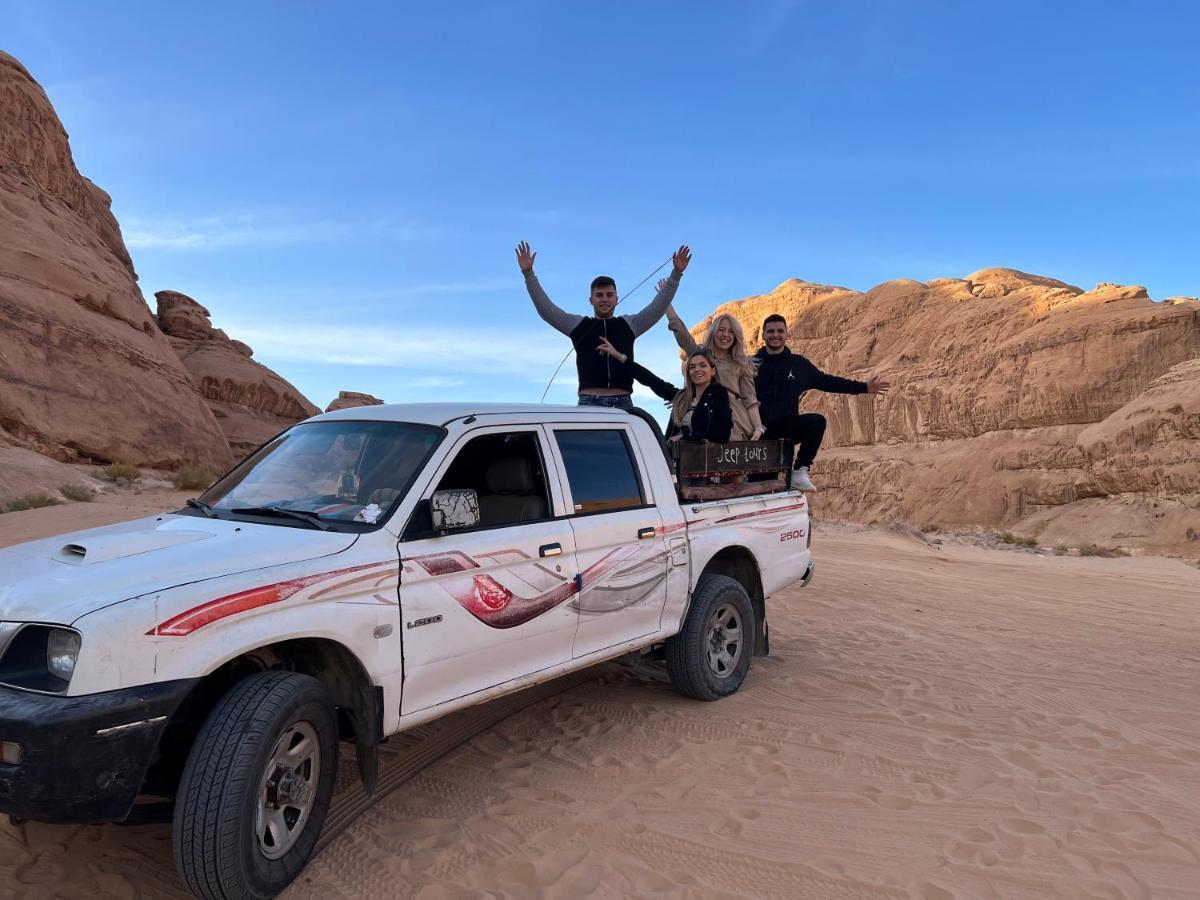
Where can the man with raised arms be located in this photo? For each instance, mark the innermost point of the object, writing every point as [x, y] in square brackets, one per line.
[604, 379]
[782, 378]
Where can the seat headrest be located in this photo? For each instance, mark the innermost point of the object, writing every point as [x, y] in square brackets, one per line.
[510, 475]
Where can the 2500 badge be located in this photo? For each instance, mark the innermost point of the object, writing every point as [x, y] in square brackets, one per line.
[792, 535]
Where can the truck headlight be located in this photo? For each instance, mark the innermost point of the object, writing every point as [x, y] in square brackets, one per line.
[62, 649]
[39, 657]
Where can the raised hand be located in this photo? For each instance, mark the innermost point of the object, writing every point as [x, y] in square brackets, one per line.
[662, 283]
[606, 347]
[682, 257]
[525, 257]
[877, 386]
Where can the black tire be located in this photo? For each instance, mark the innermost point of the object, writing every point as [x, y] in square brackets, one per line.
[217, 848]
[690, 664]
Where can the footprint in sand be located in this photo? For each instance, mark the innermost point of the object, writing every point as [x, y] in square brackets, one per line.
[925, 890]
[1024, 760]
[1004, 843]
[886, 801]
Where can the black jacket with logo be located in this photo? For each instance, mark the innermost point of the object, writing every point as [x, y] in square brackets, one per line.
[783, 377]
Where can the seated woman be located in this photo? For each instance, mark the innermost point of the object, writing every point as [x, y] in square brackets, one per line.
[735, 369]
[699, 412]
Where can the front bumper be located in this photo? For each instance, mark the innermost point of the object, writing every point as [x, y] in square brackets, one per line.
[83, 758]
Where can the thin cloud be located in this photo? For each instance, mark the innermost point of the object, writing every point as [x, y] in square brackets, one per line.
[221, 232]
[444, 353]
[437, 381]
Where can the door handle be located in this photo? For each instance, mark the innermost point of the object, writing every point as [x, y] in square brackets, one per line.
[646, 533]
[550, 550]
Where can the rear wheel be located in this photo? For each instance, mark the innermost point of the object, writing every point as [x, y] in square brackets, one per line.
[256, 787]
[710, 656]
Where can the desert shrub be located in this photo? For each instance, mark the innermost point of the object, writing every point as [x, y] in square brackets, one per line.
[190, 477]
[1010, 538]
[930, 526]
[30, 501]
[80, 493]
[1097, 550]
[121, 473]
[1062, 550]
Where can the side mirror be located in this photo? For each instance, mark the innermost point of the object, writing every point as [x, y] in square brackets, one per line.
[454, 509]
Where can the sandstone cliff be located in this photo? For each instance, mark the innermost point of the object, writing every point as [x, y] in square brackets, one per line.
[84, 370]
[250, 402]
[351, 399]
[1018, 402]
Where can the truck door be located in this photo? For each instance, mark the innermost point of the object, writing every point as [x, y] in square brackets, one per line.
[485, 605]
[619, 542]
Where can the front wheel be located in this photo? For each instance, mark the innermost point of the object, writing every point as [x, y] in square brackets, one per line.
[710, 656]
[256, 787]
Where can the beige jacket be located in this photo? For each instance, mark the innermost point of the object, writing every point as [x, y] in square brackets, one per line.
[743, 399]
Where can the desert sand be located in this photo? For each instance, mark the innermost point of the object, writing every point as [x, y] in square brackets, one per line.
[933, 722]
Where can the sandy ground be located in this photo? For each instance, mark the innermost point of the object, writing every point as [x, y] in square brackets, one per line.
[933, 722]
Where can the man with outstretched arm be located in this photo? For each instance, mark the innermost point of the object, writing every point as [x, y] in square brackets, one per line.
[604, 380]
[783, 376]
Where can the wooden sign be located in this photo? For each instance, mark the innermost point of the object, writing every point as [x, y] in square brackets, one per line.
[701, 460]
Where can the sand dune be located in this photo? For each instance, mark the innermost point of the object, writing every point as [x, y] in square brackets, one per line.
[932, 723]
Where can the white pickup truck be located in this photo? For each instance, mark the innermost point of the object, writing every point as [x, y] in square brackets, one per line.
[363, 572]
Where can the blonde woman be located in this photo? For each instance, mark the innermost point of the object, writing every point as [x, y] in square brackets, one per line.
[726, 344]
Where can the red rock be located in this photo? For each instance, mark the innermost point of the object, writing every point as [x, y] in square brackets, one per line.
[251, 403]
[351, 399]
[84, 370]
[1017, 402]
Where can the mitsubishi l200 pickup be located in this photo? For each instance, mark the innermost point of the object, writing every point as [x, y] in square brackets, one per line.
[364, 572]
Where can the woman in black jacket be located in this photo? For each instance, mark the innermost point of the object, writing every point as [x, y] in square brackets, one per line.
[699, 412]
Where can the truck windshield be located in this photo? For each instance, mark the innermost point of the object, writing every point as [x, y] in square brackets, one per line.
[322, 474]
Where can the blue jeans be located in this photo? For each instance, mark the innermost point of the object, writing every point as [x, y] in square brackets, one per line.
[625, 402]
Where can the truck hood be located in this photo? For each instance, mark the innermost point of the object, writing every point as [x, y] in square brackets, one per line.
[59, 579]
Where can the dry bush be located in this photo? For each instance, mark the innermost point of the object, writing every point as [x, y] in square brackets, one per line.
[121, 473]
[31, 501]
[189, 477]
[1097, 550]
[1009, 538]
[80, 493]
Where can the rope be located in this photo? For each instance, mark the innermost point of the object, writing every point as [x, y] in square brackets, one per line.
[558, 368]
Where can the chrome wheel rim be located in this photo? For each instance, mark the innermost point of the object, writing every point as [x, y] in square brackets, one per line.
[288, 791]
[723, 647]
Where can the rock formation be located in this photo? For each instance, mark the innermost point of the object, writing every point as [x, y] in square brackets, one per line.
[1018, 402]
[251, 403]
[84, 370]
[351, 399]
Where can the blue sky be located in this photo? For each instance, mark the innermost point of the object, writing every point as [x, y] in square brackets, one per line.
[342, 184]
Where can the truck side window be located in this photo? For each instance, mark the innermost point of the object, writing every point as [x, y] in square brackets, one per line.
[601, 470]
[506, 472]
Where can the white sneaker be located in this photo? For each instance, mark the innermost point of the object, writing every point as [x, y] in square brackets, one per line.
[801, 481]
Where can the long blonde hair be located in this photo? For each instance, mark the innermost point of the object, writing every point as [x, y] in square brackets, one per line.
[743, 361]
[684, 399]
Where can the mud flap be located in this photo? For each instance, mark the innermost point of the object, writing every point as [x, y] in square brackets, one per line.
[368, 733]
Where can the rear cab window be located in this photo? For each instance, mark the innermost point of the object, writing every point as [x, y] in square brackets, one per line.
[600, 469]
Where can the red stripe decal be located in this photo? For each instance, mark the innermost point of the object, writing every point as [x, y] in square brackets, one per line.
[206, 613]
[763, 512]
